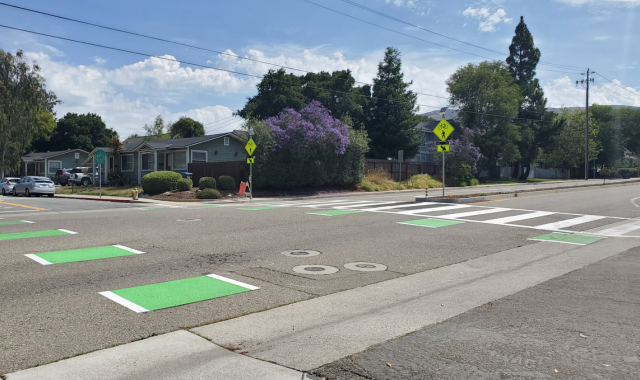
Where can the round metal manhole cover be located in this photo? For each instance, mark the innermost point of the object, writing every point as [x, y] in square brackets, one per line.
[188, 220]
[365, 267]
[315, 269]
[300, 253]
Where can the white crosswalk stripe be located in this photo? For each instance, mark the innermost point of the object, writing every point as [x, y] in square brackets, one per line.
[570, 222]
[517, 218]
[474, 213]
[432, 209]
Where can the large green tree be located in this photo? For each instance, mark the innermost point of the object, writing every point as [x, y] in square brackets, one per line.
[156, 130]
[73, 131]
[25, 107]
[610, 134]
[393, 117]
[488, 99]
[186, 127]
[567, 146]
[523, 60]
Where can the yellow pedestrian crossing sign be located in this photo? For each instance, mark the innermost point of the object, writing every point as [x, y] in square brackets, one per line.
[250, 160]
[250, 147]
[443, 130]
[444, 148]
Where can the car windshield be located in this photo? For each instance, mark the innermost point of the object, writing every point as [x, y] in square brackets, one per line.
[42, 179]
[14, 180]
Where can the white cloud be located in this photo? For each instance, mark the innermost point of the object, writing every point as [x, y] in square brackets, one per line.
[622, 3]
[488, 20]
[100, 60]
[563, 92]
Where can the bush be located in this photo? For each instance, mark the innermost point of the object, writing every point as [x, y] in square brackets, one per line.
[226, 183]
[185, 184]
[208, 194]
[633, 172]
[116, 179]
[160, 182]
[207, 183]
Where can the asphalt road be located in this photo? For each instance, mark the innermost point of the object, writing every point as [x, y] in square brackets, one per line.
[50, 312]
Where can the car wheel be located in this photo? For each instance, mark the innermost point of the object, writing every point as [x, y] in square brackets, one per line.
[36, 195]
[85, 182]
[50, 195]
[4, 192]
[15, 193]
[64, 184]
[27, 193]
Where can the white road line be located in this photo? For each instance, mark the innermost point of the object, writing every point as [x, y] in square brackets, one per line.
[127, 249]
[633, 202]
[38, 259]
[402, 205]
[67, 231]
[556, 241]
[569, 222]
[26, 221]
[432, 209]
[473, 213]
[516, 218]
[250, 287]
[363, 204]
[620, 230]
[126, 303]
[357, 203]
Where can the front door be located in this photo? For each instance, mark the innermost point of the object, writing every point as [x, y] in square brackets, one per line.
[169, 161]
[111, 161]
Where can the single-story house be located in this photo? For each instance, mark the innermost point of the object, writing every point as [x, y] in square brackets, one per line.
[45, 164]
[140, 157]
[426, 127]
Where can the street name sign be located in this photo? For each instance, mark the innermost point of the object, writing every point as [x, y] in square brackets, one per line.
[443, 148]
[443, 130]
[250, 147]
[100, 157]
[250, 160]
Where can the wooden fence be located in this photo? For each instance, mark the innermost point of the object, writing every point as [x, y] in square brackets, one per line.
[215, 170]
[408, 168]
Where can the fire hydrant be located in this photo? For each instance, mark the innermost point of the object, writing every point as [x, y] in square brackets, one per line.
[134, 193]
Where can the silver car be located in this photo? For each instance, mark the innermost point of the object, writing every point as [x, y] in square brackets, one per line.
[34, 185]
[6, 184]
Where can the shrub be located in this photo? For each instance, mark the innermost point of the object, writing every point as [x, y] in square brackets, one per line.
[226, 182]
[633, 172]
[185, 184]
[207, 183]
[208, 194]
[160, 182]
[116, 179]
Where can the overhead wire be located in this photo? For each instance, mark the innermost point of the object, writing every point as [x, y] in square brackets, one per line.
[615, 92]
[614, 83]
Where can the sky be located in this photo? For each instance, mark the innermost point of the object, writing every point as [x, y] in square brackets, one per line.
[128, 89]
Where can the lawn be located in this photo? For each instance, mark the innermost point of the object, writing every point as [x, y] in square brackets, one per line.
[121, 191]
[497, 181]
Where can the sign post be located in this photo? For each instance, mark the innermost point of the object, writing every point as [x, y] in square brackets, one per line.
[443, 130]
[100, 160]
[400, 158]
[250, 148]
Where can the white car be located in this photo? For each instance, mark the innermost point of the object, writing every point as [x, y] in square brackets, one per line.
[34, 185]
[6, 184]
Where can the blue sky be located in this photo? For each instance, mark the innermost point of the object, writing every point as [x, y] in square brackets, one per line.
[128, 90]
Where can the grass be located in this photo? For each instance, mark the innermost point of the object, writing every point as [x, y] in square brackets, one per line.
[497, 181]
[122, 191]
[380, 180]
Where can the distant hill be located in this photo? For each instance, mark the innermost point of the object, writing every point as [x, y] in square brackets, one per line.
[452, 114]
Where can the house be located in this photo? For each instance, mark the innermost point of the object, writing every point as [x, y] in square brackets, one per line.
[426, 128]
[141, 157]
[45, 164]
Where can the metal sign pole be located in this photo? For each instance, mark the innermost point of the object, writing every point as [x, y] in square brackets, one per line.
[250, 183]
[442, 174]
[100, 174]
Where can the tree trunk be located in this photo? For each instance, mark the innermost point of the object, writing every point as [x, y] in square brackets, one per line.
[516, 170]
[525, 174]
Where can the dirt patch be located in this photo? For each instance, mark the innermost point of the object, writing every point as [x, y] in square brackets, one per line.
[190, 195]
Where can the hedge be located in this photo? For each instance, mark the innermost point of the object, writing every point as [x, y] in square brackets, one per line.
[208, 194]
[226, 182]
[207, 183]
[633, 172]
[185, 184]
[160, 182]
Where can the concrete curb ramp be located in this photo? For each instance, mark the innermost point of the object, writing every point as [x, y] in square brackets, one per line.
[179, 355]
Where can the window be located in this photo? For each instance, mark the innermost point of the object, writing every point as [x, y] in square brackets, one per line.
[126, 163]
[54, 165]
[180, 160]
[77, 156]
[226, 141]
[147, 162]
[198, 156]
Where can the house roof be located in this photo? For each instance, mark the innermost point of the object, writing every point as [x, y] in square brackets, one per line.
[426, 126]
[44, 155]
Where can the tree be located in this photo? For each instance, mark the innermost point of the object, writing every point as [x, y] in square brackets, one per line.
[630, 128]
[117, 147]
[488, 99]
[73, 131]
[46, 128]
[23, 100]
[567, 147]
[610, 135]
[462, 159]
[156, 130]
[186, 127]
[391, 126]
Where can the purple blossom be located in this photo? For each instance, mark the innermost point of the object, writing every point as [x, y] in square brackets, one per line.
[311, 129]
[463, 147]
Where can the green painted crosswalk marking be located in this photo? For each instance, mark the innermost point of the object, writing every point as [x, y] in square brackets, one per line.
[34, 234]
[176, 293]
[14, 222]
[260, 208]
[433, 223]
[334, 212]
[568, 238]
[84, 254]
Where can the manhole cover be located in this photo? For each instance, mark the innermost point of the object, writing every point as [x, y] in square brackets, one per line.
[365, 267]
[315, 269]
[188, 220]
[300, 253]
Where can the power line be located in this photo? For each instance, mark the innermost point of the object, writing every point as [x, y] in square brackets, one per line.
[228, 122]
[226, 125]
[420, 39]
[617, 84]
[230, 71]
[217, 121]
[353, 3]
[608, 89]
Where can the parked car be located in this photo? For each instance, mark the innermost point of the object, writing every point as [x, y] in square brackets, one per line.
[7, 184]
[80, 176]
[62, 176]
[34, 185]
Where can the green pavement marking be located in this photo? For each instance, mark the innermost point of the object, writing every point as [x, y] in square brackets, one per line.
[432, 223]
[15, 222]
[34, 234]
[176, 293]
[85, 254]
[260, 208]
[334, 212]
[568, 238]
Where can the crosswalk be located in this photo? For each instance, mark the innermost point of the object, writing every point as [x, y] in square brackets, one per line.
[598, 225]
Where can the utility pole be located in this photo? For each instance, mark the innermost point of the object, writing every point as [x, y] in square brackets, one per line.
[586, 132]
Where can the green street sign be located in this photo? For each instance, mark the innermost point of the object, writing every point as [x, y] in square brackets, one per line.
[100, 156]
